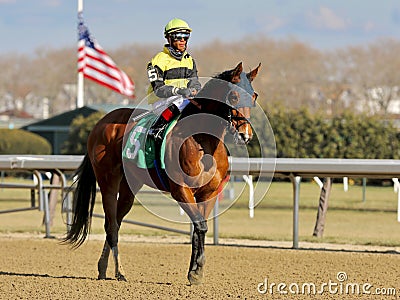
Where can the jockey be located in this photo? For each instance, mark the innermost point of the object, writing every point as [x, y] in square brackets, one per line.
[173, 76]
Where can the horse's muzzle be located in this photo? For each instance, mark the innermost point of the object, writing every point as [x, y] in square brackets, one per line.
[241, 138]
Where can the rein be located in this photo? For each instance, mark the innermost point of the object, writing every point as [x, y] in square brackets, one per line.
[195, 103]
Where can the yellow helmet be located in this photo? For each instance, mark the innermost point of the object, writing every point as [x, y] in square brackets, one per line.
[176, 25]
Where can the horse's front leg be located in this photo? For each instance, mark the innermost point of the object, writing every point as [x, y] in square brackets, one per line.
[198, 259]
[198, 215]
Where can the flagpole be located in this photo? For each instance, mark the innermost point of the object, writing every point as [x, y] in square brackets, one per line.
[80, 88]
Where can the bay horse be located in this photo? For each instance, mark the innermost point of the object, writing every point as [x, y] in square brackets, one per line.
[196, 164]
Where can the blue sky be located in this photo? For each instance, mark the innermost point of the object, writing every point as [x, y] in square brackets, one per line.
[26, 25]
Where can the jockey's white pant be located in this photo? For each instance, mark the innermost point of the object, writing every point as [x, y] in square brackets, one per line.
[161, 105]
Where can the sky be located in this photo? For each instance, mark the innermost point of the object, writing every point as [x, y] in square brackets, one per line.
[29, 25]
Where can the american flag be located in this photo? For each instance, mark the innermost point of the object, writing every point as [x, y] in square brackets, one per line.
[97, 65]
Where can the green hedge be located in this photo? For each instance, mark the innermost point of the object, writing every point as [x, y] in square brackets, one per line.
[18, 141]
[300, 134]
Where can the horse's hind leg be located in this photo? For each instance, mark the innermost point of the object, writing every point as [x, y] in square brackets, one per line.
[125, 202]
[103, 261]
[123, 206]
[109, 198]
[109, 187]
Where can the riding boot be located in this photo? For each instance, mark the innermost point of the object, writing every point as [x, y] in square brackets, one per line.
[157, 129]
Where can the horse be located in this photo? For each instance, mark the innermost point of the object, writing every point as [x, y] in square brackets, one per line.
[197, 164]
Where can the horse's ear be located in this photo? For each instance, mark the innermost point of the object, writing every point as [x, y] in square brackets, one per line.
[252, 74]
[235, 73]
[238, 69]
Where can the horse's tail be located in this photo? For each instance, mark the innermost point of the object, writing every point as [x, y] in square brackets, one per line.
[83, 203]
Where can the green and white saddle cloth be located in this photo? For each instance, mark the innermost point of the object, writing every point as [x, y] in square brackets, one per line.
[140, 148]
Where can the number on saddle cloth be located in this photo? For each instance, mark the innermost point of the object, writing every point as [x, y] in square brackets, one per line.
[140, 147]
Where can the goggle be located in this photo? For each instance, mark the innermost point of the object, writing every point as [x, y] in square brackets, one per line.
[179, 36]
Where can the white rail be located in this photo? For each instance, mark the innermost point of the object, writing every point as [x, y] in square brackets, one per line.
[296, 168]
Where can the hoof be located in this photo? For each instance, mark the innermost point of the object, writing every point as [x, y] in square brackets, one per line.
[120, 277]
[196, 277]
[102, 277]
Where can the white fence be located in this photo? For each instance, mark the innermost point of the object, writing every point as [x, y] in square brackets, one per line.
[38, 164]
[296, 168]
[291, 168]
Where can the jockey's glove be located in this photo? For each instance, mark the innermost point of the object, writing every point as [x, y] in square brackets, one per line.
[187, 92]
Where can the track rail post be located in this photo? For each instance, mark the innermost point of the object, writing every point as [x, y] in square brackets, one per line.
[296, 180]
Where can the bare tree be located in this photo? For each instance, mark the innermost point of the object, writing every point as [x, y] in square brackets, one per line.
[373, 70]
[293, 74]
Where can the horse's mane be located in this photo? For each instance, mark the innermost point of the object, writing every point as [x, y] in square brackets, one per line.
[220, 80]
[225, 75]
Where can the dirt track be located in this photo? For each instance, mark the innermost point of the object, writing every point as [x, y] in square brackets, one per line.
[37, 268]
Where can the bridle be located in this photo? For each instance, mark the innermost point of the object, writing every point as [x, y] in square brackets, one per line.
[237, 117]
[234, 124]
[234, 118]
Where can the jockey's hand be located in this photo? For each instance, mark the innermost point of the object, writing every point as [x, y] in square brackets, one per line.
[187, 92]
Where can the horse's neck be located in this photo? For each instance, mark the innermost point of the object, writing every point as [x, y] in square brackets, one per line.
[189, 110]
[209, 143]
[206, 132]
